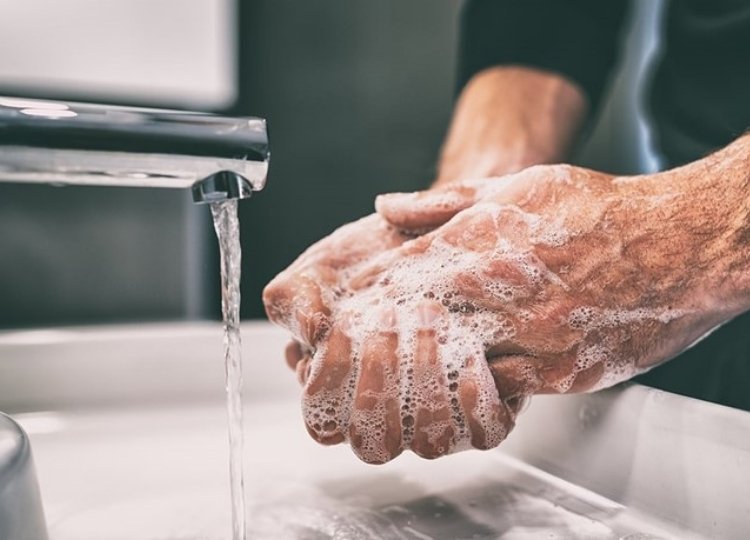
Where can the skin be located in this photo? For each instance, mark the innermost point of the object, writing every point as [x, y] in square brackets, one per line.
[427, 327]
[509, 118]
[527, 117]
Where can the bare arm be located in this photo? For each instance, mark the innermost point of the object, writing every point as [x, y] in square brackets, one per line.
[508, 118]
[646, 265]
[553, 280]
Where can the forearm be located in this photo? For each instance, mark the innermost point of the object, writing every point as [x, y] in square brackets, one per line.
[699, 220]
[725, 181]
[509, 118]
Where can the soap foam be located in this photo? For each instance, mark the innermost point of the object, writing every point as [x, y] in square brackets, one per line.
[592, 319]
[460, 330]
[473, 308]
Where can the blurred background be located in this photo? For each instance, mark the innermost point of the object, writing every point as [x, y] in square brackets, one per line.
[357, 93]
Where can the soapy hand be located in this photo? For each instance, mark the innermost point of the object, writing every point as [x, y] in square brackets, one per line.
[565, 279]
[302, 297]
[556, 279]
[344, 394]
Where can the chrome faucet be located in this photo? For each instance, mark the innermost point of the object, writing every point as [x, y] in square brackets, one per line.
[62, 143]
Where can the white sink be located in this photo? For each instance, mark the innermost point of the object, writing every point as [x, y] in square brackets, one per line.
[129, 434]
[21, 515]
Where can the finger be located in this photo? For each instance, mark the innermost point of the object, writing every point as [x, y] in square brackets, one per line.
[377, 269]
[300, 298]
[518, 376]
[558, 374]
[302, 370]
[327, 394]
[425, 210]
[367, 276]
[375, 424]
[577, 371]
[358, 241]
[515, 376]
[587, 379]
[434, 429]
[294, 301]
[293, 353]
[487, 418]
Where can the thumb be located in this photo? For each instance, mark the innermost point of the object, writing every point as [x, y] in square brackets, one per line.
[424, 210]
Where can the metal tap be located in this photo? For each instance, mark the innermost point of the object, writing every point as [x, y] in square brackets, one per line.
[62, 143]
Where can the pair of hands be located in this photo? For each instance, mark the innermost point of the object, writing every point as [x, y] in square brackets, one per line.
[426, 326]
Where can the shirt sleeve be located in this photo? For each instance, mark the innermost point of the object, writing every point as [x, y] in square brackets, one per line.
[578, 39]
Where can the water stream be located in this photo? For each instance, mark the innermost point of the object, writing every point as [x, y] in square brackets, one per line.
[226, 224]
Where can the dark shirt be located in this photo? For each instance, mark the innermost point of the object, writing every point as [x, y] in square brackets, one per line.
[700, 96]
[699, 101]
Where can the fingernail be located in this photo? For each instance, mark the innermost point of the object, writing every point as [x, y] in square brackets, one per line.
[303, 370]
[428, 313]
[345, 321]
[390, 199]
[293, 354]
[388, 319]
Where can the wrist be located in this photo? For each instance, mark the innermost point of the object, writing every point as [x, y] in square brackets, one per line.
[489, 163]
[738, 229]
[730, 186]
[508, 118]
[716, 213]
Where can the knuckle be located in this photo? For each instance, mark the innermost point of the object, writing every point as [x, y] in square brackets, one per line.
[370, 454]
[278, 299]
[326, 401]
[324, 438]
[322, 422]
[313, 326]
[427, 451]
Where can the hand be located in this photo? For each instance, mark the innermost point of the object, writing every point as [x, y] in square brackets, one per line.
[556, 279]
[533, 117]
[576, 280]
[305, 298]
[302, 297]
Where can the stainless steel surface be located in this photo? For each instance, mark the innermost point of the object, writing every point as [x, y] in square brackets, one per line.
[86, 144]
[128, 427]
[682, 460]
[21, 514]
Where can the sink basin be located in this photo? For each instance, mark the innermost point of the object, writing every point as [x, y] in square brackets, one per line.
[129, 434]
[21, 515]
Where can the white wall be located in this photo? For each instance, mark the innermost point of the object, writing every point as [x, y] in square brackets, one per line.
[171, 52]
[110, 254]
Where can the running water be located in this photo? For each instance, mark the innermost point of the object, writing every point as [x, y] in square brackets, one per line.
[227, 228]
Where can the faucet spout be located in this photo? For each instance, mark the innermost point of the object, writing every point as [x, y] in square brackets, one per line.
[87, 144]
[221, 186]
